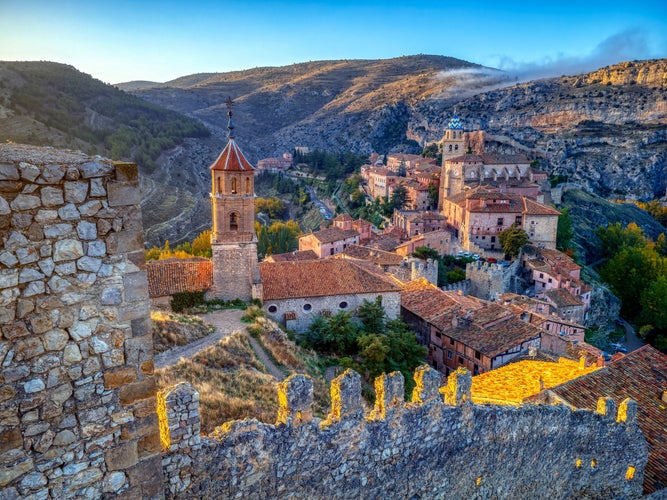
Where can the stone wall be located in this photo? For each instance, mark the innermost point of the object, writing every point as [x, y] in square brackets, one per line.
[77, 401]
[422, 449]
[235, 271]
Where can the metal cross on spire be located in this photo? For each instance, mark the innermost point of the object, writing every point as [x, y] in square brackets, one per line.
[230, 125]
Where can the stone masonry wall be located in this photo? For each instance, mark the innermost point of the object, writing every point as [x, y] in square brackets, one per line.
[77, 393]
[422, 449]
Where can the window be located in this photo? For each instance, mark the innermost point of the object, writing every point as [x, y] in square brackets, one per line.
[331, 251]
[550, 280]
[343, 305]
[247, 185]
[517, 220]
[500, 221]
[477, 355]
[438, 335]
[541, 275]
[456, 147]
[449, 354]
[219, 184]
[233, 221]
[234, 181]
[451, 341]
[493, 239]
[450, 148]
[307, 307]
[273, 308]
[460, 360]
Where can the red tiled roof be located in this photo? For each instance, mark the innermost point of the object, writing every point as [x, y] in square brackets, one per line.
[641, 376]
[374, 255]
[289, 280]
[534, 208]
[170, 276]
[332, 234]
[292, 256]
[496, 339]
[562, 298]
[232, 159]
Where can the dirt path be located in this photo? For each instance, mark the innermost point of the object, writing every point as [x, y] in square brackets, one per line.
[265, 360]
[225, 322]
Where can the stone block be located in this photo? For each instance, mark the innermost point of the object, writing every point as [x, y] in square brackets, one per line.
[141, 326]
[96, 249]
[148, 476]
[124, 242]
[135, 391]
[113, 482]
[144, 408]
[89, 264]
[139, 350]
[14, 331]
[126, 171]
[29, 172]
[8, 259]
[346, 397]
[25, 202]
[95, 169]
[69, 212]
[64, 437]
[149, 445]
[136, 286]
[76, 192]
[55, 340]
[97, 188]
[122, 457]
[295, 400]
[6, 393]
[123, 193]
[34, 385]
[29, 274]
[8, 172]
[116, 378]
[10, 439]
[46, 215]
[427, 384]
[139, 427]
[58, 230]
[9, 278]
[86, 230]
[52, 196]
[68, 249]
[90, 208]
[47, 266]
[27, 255]
[8, 474]
[51, 174]
[389, 394]
[4, 207]
[34, 288]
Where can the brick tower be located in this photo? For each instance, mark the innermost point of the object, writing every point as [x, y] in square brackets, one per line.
[235, 269]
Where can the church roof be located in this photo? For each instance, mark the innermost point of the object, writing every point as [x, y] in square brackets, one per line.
[232, 159]
[455, 123]
[321, 278]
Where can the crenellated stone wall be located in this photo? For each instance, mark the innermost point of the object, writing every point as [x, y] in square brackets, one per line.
[77, 394]
[428, 448]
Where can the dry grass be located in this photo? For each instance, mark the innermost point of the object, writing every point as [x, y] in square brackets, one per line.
[295, 359]
[171, 330]
[231, 382]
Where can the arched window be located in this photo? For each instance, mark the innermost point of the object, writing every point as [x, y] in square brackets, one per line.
[220, 185]
[233, 221]
[247, 186]
[234, 189]
[456, 147]
[450, 148]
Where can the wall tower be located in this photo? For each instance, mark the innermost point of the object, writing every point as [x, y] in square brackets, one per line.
[453, 142]
[234, 242]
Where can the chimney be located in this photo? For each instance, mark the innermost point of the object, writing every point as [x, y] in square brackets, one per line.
[532, 352]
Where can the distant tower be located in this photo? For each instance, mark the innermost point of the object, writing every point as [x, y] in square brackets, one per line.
[234, 242]
[453, 143]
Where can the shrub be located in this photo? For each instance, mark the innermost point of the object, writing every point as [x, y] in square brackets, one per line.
[184, 300]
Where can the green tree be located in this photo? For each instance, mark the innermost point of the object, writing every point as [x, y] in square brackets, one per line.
[372, 315]
[201, 245]
[654, 303]
[614, 238]
[513, 239]
[433, 195]
[426, 253]
[629, 272]
[661, 245]
[398, 199]
[565, 233]
[374, 351]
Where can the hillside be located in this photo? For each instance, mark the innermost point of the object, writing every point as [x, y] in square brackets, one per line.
[605, 130]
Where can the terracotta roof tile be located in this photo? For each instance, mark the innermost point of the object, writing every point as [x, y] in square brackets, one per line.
[232, 159]
[292, 256]
[562, 298]
[374, 255]
[170, 276]
[332, 234]
[496, 339]
[641, 376]
[535, 208]
[285, 280]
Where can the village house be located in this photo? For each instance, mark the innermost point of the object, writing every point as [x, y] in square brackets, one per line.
[327, 242]
[291, 256]
[415, 222]
[275, 164]
[361, 226]
[464, 331]
[294, 293]
[440, 241]
[478, 217]
[169, 276]
[407, 161]
[380, 181]
[641, 376]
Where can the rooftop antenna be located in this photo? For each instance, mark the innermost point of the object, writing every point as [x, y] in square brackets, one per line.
[230, 125]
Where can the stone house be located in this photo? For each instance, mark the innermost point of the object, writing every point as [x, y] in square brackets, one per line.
[417, 196]
[297, 292]
[463, 331]
[549, 269]
[641, 376]
[415, 222]
[407, 161]
[380, 180]
[327, 242]
[439, 240]
[479, 216]
[361, 226]
[567, 306]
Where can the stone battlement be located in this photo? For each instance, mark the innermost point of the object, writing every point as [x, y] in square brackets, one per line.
[435, 446]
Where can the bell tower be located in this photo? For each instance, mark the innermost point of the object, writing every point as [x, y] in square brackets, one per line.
[234, 242]
[453, 143]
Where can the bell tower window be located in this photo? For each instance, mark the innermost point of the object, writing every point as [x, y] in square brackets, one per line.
[247, 186]
[219, 185]
[233, 221]
[234, 185]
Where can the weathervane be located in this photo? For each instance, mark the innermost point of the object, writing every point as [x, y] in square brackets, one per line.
[230, 125]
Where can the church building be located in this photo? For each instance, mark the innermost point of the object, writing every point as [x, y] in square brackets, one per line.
[234, 242]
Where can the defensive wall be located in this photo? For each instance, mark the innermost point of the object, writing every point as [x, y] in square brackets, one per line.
[439, 445]
[79, 417]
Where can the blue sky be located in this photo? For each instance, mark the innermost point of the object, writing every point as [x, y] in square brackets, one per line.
[149, 40]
